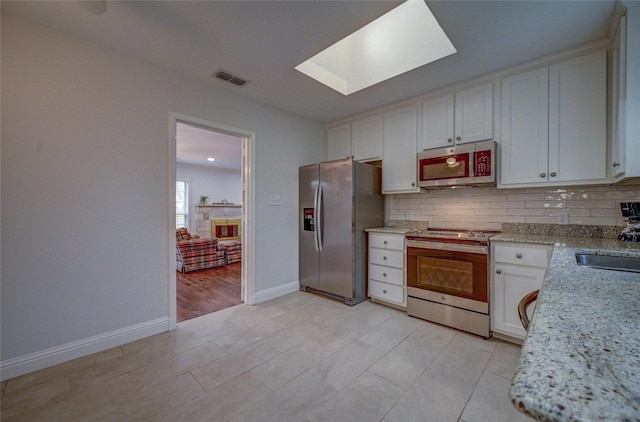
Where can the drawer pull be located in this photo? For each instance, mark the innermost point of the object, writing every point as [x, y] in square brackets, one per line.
[384, 258]
[518, 255]
[498, 271]
[384, 291]
[384, 274]
[385, 242]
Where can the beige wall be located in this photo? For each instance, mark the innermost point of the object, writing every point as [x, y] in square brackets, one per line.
[487, 208]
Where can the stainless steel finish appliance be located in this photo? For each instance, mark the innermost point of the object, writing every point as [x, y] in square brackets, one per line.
[448, 278]
[630, 211]
[338, 200]
[472, 164]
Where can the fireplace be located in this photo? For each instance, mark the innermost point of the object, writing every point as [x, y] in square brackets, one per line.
[205, 214]
[226, 228]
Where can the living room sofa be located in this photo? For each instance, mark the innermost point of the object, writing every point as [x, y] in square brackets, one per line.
[195, 253]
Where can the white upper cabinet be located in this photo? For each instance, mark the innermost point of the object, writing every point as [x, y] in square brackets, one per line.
[474, 114]
[400, 148]
[366, 138]
[339, 142]
[618, 84]
[554, 124]
[360, 139]
[465, 116]
[436, 125]
[525, 126]
[578, 119]
[624, 164]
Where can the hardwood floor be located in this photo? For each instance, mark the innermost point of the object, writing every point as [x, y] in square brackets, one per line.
[204, 291]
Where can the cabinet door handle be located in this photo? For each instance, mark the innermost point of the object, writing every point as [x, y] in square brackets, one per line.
[552, 174]
[518, 255]
[615, 164]
[498, 271]
[413, 184]
[449, 140]
[384, 291]
[458, 138]
[543, 174]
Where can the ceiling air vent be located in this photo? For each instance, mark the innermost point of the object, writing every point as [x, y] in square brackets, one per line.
[230, 77]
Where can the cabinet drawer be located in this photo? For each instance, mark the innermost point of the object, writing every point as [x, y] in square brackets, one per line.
[386, 274]
[386, 292]
[385, 257]
[385, 241]
[535, 256]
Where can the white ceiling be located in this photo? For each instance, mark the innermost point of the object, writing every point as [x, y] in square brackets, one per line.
[194, 145]
[262, 41]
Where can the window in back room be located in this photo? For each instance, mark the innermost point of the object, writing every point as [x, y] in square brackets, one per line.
[182, 204]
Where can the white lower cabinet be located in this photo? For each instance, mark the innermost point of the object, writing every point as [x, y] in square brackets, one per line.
[387, 279]
[516, 270]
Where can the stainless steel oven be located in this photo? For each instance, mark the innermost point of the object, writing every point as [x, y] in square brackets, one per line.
[448, 278]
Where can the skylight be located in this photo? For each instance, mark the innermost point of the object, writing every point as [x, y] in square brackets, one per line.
[401, 40]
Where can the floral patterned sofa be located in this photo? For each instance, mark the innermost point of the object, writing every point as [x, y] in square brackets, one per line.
[195, 253]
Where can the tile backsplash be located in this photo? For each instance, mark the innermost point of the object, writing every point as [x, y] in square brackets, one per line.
[488, 208]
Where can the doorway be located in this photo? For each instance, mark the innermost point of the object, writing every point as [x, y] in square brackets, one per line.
[218, 200]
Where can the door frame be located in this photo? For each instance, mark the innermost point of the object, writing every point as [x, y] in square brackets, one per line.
[248, 209]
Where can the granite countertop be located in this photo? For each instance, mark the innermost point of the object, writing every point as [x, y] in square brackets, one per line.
[580, 360]
[399, 227]
[389, 230]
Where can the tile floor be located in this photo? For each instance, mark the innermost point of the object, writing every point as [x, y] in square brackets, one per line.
[301, 357]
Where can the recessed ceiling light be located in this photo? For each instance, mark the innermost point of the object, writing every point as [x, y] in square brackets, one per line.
[211, 159]
[401, 40]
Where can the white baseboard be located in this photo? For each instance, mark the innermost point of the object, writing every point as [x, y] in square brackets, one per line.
[274, 292]
[15, 367]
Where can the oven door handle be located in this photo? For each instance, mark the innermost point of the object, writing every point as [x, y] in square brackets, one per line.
[454, 247]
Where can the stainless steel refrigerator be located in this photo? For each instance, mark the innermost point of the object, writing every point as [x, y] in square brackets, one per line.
[338, 200]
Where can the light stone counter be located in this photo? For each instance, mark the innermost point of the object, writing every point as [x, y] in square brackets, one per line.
[389, 230]
[580, 360]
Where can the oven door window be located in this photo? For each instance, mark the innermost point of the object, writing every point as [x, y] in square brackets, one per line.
[445, 275]
[456, 273]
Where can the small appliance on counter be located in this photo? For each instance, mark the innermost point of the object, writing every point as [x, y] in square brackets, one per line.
[630, 211]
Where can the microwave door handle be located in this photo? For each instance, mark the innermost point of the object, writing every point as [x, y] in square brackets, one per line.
[472, 171]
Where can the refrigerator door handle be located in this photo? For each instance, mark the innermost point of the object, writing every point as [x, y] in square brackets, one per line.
[319, 218]
[315, 214]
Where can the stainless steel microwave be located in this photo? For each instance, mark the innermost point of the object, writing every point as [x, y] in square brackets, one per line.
[472, 164]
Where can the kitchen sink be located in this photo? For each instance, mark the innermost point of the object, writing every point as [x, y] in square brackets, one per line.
[609, 262]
